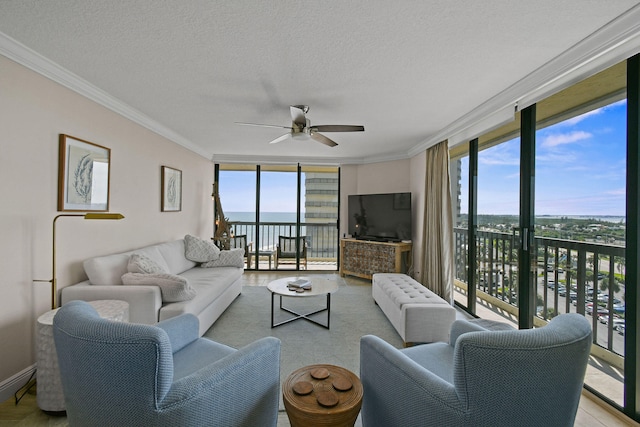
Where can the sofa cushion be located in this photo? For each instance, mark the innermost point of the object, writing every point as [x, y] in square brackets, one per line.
[210, 283]
[172, 287]
[108, 270]
[173, 255]
[230, 258]
[438, 360]
[139, 263]
[200, 250]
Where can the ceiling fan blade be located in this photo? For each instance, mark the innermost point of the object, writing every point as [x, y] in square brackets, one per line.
[298, 114]
[281, 138]
[261, 125]
[338, 128]
[323, 139]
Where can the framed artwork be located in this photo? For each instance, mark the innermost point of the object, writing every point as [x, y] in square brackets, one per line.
[171, 189]
[83, 175]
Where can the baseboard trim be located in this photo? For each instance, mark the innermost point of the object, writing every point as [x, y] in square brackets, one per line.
[12, 384]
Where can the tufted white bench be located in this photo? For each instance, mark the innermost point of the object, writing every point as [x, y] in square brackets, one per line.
[418, 314]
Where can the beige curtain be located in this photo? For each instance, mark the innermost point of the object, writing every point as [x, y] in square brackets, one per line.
[437, 262]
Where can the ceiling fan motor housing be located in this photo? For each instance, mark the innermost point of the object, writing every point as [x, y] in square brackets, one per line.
[298, 131]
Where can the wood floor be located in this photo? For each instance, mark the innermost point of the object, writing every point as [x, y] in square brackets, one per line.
[27, 414]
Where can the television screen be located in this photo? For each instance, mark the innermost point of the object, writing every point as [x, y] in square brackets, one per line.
[385, 217]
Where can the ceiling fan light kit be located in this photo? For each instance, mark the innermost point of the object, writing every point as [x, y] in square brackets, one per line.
[301, 128]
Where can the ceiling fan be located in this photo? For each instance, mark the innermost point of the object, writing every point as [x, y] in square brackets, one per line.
[301, 127]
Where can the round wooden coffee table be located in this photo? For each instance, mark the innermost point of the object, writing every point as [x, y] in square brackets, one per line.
[322, 395]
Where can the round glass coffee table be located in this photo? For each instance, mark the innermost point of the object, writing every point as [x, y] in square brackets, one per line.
[319, 286]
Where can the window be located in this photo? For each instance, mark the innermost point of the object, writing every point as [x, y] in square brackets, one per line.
[262, 202]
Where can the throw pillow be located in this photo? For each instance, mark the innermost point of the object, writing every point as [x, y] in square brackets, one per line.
[230, 258]
[199, 250]
[173, 288]
[139, 263]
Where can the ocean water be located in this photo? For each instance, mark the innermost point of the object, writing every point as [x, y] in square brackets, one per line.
[268, 233]
[264, 216]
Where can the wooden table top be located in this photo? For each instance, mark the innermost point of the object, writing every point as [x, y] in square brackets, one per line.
[330, 394]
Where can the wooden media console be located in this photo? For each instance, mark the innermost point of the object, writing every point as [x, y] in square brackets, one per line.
[363, 258]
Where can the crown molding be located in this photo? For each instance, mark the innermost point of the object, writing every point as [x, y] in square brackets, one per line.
[31, 59]
[488, 123]
[281, 160]
[319, 161]
[612, 43]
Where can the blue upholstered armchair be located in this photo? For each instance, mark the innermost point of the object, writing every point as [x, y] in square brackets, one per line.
[125, 374]
[527, 377]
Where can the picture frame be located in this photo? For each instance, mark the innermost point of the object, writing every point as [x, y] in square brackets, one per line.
[84, 170]
[171, 189]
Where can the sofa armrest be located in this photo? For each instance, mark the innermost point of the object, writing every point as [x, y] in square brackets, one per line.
[182, 330]
[144, 301]
[460, 327]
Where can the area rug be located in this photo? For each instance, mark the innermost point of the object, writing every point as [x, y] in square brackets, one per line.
[353, 314]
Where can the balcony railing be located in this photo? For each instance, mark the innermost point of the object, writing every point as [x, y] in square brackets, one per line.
[571, 276]
[321, 238]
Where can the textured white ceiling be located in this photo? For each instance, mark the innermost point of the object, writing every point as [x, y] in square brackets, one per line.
[403, 69]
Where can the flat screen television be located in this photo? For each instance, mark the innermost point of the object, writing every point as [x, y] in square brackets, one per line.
[380, 217]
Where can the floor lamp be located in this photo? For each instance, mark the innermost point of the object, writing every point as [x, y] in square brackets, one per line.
[99, 215]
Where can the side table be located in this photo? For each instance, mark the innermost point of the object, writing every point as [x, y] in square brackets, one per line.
[322, 395]
[49, 396]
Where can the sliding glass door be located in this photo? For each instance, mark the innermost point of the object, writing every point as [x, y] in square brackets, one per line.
[279, 215]
[284, 205]
[580, 229]
[550, 235]
[237, 190]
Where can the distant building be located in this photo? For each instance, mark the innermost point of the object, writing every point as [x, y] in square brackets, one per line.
[321, 207]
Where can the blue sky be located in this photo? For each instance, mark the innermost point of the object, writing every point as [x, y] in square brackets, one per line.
[580, 168]
[238, 191]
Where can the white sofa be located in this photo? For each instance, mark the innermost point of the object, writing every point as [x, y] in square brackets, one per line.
[216, 287]
[418, 314]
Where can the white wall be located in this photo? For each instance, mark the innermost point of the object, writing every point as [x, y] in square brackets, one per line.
[387, 177]
[33, 112]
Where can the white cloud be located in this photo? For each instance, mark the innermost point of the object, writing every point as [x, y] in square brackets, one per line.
[551, 158]
[507, 154]
[557, 139]
[617, 192]
[577, 119]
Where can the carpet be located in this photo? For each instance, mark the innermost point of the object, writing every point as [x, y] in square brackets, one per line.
[353, 314]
